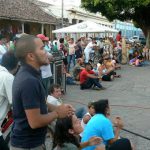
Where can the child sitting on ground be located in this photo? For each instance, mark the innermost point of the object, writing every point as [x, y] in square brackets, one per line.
[87, 116]
[95, 69]
[139, 61]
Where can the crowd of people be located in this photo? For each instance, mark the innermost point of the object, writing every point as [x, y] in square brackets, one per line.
[26, 88]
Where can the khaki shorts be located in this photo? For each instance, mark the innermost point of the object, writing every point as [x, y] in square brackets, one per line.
[41, 147]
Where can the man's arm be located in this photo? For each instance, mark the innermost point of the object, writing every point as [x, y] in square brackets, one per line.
[38, 120]
[92, 76]
[119, 125]
[31, 103]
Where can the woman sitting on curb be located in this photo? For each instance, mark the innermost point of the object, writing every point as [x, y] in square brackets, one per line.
[100, 125]
[66, 136]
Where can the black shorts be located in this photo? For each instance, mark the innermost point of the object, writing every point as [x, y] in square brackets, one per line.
[65, 61]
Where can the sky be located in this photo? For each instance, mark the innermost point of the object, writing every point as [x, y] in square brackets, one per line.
[66, 2]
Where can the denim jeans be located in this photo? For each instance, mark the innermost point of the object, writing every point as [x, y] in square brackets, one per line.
[119, 57]
[46, 82]
[80, 112]
[71, 57]
[91, 82]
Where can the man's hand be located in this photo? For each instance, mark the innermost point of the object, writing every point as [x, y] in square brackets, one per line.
[64, 110]
[94, 140]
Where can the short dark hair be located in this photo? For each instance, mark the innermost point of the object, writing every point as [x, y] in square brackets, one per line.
[87, 64]
[61, 40]
[53, 87]
[24, 45]
[9, 60]
[62, 134]
[94, 39]
[100, 106]
[119, 32]
[90, 104]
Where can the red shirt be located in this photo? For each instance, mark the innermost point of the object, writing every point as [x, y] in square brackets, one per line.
[118, 37]
[83, 75]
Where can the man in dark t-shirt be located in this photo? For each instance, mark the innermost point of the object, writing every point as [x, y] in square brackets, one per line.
[30, 110]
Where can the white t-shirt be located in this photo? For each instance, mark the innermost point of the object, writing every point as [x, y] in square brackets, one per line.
[2, 51]
[53, 100]
[6, 81]
[83, 124]
[89, 48]
[46, 71]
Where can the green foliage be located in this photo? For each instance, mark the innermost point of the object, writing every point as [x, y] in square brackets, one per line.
[136, 10]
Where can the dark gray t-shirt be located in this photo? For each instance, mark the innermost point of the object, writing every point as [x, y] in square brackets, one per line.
[28, 93]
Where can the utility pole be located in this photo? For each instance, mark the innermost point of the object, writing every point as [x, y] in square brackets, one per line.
[62, 13]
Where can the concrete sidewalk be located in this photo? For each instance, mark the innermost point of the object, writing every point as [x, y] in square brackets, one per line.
[129, 97]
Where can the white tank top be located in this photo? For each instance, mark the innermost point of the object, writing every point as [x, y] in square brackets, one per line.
[83, 124]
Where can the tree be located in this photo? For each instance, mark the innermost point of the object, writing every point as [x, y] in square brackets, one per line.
[136, 10]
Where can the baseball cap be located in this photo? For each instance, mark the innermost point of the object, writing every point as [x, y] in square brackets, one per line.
[42, 37]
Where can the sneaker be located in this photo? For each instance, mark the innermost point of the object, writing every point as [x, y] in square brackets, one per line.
[111, 77]
[97, 88]
[102, 88]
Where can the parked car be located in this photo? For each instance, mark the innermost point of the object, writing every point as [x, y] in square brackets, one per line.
[138, 39]
[142, 40]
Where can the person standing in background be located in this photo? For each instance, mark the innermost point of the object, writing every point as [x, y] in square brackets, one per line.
[118, 37]
[71, 53]
[46, 69]
[8, 68]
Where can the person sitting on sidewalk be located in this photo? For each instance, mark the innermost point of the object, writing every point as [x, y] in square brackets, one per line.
[87, 116]
[109, 66]
[106, 74]
[66, 136]
[139, 61]
[55, 99]
[100, 125]
[55, 95]
[78, 68]
[89, 79]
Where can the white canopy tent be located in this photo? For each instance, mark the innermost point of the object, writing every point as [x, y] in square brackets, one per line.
[85, 27]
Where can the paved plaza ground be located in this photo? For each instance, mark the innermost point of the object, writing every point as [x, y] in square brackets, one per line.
[129, 97]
